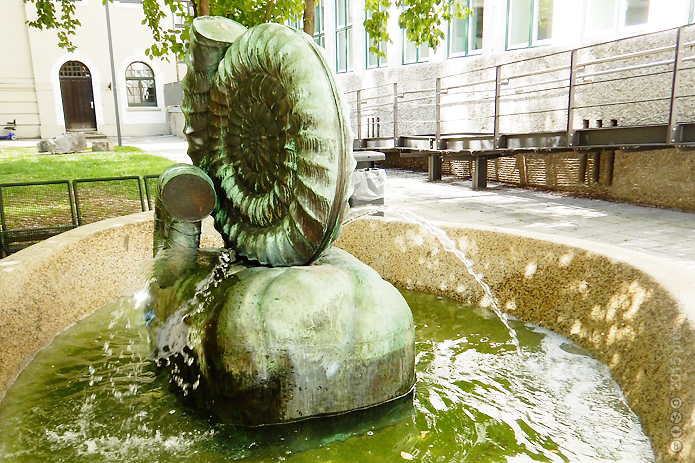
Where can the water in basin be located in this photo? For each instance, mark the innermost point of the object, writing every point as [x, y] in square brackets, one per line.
[95, 395]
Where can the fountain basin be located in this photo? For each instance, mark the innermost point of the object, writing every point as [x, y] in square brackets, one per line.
[635, 313]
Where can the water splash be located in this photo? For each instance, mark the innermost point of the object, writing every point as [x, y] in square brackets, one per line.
[475, 399]
[172, 337]
[449, 245]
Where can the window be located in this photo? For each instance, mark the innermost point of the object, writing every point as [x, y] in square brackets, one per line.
[466, 35]
[609, 17]
[319, 26]
[636, 12]
[297, 23]
[413, 54]
[319, 29]
[529, 23]
[139, 83]
[181, 20]
[343, 33]
[374, 60]
[74, 69]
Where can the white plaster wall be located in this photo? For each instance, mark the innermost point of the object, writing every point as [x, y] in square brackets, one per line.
[18, 98]
[130, 38]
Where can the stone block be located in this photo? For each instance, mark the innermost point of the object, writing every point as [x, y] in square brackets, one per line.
[102, 145]
[63, 144]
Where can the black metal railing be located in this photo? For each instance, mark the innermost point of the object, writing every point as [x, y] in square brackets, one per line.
[31, 212]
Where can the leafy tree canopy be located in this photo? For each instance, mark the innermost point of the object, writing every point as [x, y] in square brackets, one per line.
[421, 19]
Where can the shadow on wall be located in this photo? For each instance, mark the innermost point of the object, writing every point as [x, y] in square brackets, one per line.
[617, 312]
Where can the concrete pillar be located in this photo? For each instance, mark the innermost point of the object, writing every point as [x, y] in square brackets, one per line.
[479, 173]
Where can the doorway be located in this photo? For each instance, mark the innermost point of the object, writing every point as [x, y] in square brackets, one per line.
[78, 97]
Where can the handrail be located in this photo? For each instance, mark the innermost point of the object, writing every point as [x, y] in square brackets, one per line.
[628, 68]
[538, 72]
[385, 95]
[542, 82]
[375, 105]
[588, 80]
[455, 103]
[480, 82]
[635, 54]
[618, 103]
[508, 90]
[428, 97]
[424, 90]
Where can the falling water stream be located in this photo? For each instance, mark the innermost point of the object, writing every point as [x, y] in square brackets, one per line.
[449, 245]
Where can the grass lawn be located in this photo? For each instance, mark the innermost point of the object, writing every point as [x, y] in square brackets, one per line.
[25, 165]
[45, 207]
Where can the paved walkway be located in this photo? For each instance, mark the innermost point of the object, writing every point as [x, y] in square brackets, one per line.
[166, 146]
[659, 232]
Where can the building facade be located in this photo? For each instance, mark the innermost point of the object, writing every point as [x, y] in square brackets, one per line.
[495, 26]
[522, 36]
[49, 90]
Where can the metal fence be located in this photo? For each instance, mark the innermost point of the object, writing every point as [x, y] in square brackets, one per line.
[637, 92]
[31, 212]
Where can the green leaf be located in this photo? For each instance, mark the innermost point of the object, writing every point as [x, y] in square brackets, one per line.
[421, 20]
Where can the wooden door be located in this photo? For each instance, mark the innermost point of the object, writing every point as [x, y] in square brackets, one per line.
[78, 98]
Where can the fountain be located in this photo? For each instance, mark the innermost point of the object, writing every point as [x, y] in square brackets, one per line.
[632, 312]
[277, 326]
[576, 288]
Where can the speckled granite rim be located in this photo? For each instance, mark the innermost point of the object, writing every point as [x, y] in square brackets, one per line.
[634, 312]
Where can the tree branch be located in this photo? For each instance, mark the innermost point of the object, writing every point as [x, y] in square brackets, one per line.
[269, 10]
[309, 17]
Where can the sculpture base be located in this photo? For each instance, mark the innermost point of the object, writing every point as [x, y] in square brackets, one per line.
[261, 345]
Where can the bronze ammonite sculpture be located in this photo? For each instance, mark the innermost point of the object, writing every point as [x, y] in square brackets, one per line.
[280, 153]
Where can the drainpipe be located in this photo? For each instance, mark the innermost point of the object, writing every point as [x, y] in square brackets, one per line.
[185, 196]
[113, 73]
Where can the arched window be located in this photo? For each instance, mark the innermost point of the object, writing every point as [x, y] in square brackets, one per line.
[139, 82]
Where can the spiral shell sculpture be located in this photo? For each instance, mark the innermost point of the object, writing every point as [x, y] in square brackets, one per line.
[211, 36]
[280, 152]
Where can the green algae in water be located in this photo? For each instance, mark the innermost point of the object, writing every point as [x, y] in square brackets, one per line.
[95, 395]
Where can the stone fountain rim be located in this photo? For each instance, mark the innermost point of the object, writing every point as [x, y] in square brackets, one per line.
[110, 237]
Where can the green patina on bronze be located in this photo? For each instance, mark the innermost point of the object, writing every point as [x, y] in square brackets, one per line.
[272, 345]
[211, 36]
[269, 127]
[185, 196]
[252, 332]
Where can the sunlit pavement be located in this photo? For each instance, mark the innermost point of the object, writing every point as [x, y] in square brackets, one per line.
[166, 146]
[659, 232]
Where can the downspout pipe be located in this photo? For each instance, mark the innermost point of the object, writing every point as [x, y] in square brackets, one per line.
[185, 196]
